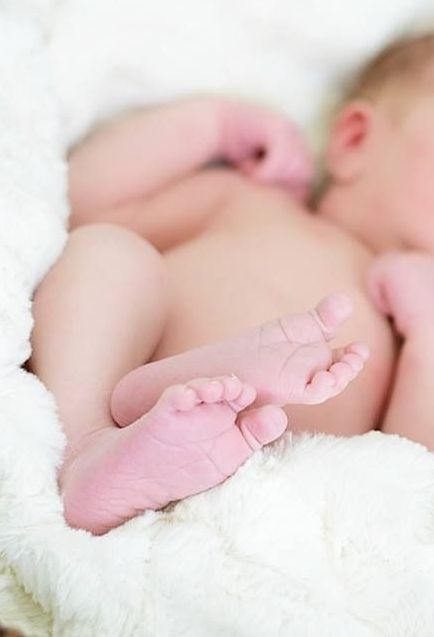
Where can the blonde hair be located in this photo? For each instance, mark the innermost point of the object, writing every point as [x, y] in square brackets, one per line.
[404, 64]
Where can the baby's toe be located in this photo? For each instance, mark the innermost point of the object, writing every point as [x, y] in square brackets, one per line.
[321, 387]
[361, 349]
[178, 398]
[208, 390]
[232, 387]
[331, 312]
[246, 397]
[262, 425]
[354, 361]
[344, 372]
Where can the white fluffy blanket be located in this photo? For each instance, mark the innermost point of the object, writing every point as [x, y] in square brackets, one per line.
[314, 536]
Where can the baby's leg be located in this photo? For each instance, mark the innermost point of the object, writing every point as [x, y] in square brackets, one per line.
[98, 313]
[402, 285]
[288, 361]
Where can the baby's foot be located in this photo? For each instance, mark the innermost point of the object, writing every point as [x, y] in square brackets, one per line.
[293, 363]
[187, 443]
[288, 361]
[402, 286]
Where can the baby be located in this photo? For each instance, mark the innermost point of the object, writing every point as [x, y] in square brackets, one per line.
[207, 254]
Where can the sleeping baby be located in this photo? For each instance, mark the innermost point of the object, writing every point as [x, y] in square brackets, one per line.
[176, 331]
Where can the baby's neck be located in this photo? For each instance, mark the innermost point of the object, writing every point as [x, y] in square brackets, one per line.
[359, 216]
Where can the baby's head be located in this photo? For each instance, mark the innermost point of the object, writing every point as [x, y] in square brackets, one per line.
[380, 156]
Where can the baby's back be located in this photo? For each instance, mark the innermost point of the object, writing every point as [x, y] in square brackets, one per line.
[263, 256]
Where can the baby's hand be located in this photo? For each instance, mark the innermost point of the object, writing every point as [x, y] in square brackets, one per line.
[401, 285]
[266, 147]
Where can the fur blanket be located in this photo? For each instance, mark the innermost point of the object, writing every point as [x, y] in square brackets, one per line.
[314, 535]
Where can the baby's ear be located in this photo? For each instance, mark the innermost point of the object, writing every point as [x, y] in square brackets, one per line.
[349, 144]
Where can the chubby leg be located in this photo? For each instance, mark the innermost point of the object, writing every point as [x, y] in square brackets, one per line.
[98, 314]
[288, 361]
[100, 311]
[402, 286]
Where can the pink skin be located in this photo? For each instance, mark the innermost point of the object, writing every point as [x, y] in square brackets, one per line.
[186, 443]
[263, 145]
[402, 286]
[380, 156]
[288, 361]
[380, 159]
[192, 439]
[267, 148]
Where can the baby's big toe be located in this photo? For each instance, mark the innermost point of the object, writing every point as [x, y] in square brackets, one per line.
[262, 425]
[331, 312]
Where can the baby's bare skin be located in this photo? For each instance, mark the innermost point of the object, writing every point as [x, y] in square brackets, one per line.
[282, 258]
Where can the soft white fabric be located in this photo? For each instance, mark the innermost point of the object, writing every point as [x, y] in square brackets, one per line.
[314, 536]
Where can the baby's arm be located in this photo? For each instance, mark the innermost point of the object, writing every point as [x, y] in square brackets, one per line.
[138, 154]
[411, 409]
[135, 157]
[402, 285]
[179, 212]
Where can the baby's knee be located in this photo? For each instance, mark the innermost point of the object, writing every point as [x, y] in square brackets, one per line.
[120, 247]
[117, 241]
